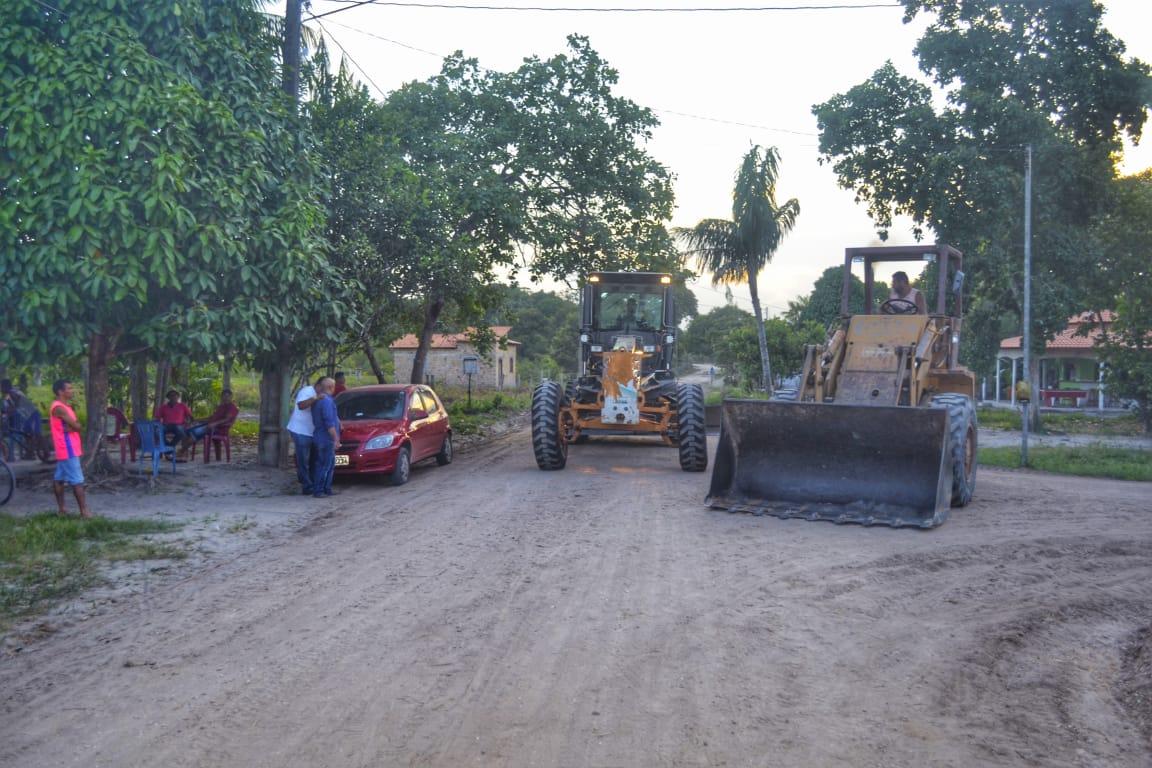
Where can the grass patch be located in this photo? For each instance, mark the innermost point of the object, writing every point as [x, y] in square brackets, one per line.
[484, 410]
[1085, 461]
[717, 396]
[46, 557]
[1126, 425]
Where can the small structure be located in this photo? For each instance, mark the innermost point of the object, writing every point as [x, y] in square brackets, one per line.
[448, 354]
[1071, 373]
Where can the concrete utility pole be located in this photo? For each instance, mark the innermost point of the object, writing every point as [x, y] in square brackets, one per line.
[1026, 342]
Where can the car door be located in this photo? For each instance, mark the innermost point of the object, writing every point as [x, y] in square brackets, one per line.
[437, 421]
[418, 428]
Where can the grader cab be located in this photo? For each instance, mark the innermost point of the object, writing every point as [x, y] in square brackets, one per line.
[882, 427]
[625, 384]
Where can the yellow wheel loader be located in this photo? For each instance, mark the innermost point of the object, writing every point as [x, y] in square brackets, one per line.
[881, 429]
[625, 385]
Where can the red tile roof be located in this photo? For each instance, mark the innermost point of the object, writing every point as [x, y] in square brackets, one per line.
[1071, 337]
[450, 340]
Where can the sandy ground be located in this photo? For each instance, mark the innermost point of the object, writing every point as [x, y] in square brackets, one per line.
[491, 614]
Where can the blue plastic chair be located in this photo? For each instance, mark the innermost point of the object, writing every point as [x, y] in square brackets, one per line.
[151, 435]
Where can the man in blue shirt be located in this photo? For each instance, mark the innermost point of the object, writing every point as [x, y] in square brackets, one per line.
[325, 438]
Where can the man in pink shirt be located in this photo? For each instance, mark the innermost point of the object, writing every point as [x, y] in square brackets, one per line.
[66, 441]
[175, 416]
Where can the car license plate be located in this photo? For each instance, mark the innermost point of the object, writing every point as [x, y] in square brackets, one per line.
[341, 460]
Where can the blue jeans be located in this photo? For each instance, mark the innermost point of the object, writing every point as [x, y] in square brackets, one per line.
[325, 464]
[305, 460]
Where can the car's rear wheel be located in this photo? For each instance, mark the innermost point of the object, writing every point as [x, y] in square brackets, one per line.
[445, 455]
[403, 466]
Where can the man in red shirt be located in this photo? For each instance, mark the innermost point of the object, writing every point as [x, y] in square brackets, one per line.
[176, 418]
[220, 421]
[340, 385]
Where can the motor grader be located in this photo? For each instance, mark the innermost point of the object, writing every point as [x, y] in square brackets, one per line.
[625, 384]
[881, 428]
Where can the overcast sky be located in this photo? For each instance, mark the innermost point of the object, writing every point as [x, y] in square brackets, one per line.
[719, 82]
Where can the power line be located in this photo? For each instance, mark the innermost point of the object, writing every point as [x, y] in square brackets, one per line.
[348, 56]
[617, 9]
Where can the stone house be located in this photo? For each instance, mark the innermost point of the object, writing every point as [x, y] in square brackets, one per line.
[445, 366]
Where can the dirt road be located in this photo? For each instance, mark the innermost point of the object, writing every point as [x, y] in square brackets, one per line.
[491, 614]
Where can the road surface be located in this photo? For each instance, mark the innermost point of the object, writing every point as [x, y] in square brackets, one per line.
[491, 614]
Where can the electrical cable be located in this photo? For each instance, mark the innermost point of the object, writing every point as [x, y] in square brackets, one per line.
[617, 9]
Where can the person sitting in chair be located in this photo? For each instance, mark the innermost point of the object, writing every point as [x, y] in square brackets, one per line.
[176, 418]
[221, 420]
[904, 299]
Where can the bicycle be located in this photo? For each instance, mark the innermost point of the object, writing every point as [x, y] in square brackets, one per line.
[16, 445]
[7, 482]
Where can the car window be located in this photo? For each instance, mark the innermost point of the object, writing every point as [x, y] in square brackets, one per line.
[370, 405]
[430, 403]
[417, 402]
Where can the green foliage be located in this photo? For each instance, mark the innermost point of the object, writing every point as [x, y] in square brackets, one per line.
[822, 305]
[153, 185]
[543, 160]
[545, 324]
[739, 353]
[738, 250]
[702, 338]
[1125, 283]
[1087, 461]
[1046, 74]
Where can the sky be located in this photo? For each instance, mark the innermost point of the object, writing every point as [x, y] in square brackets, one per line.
[718, 81]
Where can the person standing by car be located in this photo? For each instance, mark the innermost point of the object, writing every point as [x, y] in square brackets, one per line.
[339, 378]
[66, 440]
[300, 427]
[325, 438]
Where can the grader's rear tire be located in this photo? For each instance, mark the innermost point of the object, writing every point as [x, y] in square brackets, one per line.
[961, 445]
[549, 438]
[692, 440]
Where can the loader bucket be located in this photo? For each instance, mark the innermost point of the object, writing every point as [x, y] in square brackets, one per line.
[875, 465]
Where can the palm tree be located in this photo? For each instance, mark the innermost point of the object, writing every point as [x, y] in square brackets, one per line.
[738, 250]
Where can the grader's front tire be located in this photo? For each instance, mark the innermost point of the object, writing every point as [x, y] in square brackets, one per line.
[549, 438]
[961, 445]
[692, 441]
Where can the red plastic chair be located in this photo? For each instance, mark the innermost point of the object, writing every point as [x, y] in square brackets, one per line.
[217, 436]
[122, 436]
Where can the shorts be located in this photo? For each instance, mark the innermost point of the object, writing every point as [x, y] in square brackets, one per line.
[68, 471]
[198, 432]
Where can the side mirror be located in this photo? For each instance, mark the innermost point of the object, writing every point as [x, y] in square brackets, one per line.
[416, 414]
[958, 282]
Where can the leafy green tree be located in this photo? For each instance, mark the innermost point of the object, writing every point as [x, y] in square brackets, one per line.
[153, 189]
[822, 305]
[738, 250]
[703, 335]
[540, 168]
[1124, 283]
[1045, 74]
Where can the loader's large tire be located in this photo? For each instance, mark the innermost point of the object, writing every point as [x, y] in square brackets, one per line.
[691, 436]
[961, 445]
[549, 441]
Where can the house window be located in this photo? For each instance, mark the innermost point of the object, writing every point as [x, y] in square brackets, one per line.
[512, 364]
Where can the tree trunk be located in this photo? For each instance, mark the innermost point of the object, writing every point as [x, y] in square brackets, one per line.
[274, 376]
[163, 374]
[761, 336]
[138, 388]
[370, 353]
[431, 315]
[101, 350]
[226, 373]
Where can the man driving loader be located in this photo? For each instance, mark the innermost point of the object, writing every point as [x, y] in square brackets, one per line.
[631, 320]
[904, 299]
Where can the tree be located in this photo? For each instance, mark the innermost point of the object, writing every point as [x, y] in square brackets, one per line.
[1045, 74]
[1125, 284]
[540, 168]
[738, 250]
[154, 193]
[822, 305]
[703, 335]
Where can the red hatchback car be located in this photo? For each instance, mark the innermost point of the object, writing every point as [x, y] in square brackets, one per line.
[390, 427]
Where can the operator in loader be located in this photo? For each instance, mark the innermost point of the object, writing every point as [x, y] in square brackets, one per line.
[904, 299]
[630, 320]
